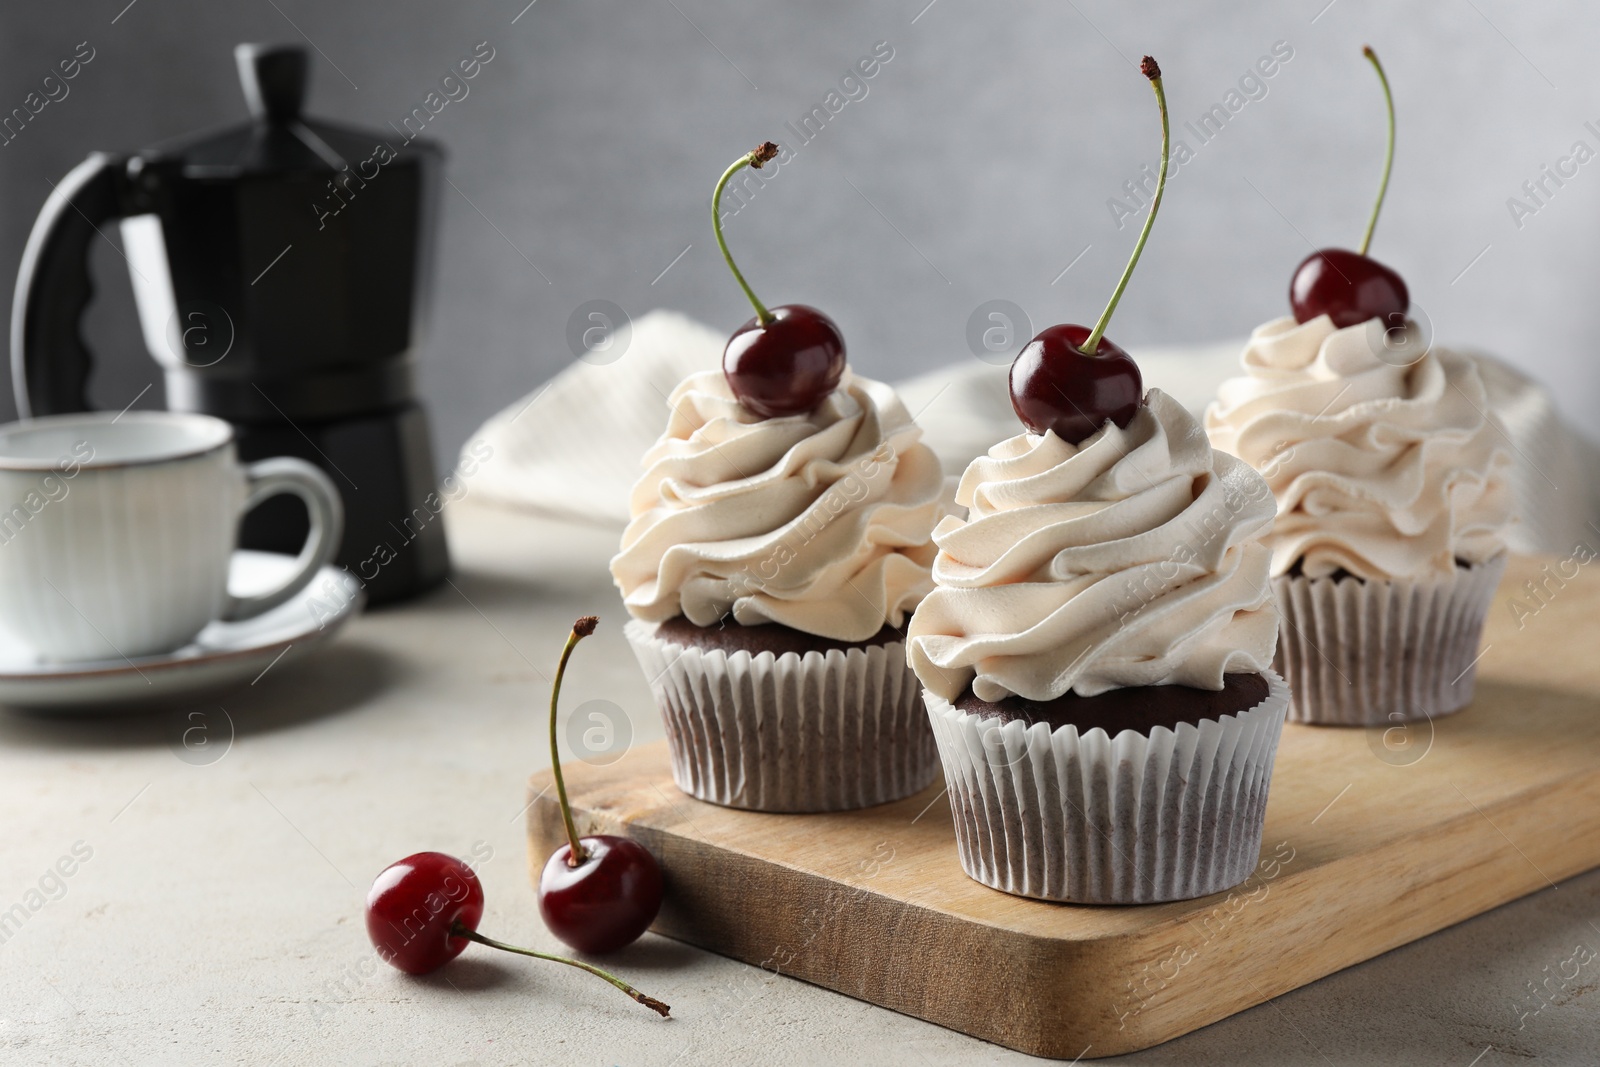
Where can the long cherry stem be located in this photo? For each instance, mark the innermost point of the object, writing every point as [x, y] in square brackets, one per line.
[754, 158]
[1150, 70]
[580, 629]
[1388, 153]
[650, 1002]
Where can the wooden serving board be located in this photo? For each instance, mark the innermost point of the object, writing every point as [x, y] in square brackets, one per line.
[1374, 838]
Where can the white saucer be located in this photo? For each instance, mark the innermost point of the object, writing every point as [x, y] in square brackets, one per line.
[224, 654]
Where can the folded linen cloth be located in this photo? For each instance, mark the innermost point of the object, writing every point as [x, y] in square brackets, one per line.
[572, 447]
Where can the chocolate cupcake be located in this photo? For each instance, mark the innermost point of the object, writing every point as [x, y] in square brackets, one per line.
[1391, 478]
[1096, 661]
[1392, 483]
[780, 536]
[769, 567]
[1095, 651]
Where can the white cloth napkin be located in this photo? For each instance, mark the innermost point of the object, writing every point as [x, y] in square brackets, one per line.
[572, 447]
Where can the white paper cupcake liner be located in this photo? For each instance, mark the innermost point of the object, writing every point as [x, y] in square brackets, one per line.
[1375, 653]
[827, 731]
[1093, 819]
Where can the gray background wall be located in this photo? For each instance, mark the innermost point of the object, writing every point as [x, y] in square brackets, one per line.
[978, 165]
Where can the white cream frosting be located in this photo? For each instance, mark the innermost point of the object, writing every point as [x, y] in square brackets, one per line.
[1128, 560]
[820, 522]
[1382, 452]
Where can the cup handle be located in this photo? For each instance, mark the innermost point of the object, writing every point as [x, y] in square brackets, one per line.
[285, 474]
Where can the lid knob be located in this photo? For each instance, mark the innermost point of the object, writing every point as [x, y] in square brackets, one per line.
[273, 77]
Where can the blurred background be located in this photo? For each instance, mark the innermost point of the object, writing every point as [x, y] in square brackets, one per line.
[983, 159]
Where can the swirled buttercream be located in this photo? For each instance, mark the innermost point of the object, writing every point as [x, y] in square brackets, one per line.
[1381, 450]
[1128, 560]
[820, 522]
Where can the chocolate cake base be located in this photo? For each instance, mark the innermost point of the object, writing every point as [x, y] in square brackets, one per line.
[1380, 653]
[1141, 708]
[840, 730]
[1297, 570]
[1113, 818]
[731, 637]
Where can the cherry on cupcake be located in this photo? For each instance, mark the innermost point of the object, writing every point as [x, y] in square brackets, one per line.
[1070, 379]
[787, 359]
[1352, 287]
[597, 893]
[1059, 383]
[424, 910]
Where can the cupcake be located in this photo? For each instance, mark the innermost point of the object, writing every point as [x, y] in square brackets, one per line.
[1393, 488]
[1096, 651]
[1096, 658]
[1393, 492]
[780, 538]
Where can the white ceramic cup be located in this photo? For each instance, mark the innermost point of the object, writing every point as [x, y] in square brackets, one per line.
[116, 530]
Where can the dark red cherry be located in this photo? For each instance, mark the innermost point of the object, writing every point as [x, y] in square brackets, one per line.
[786, 366]
[422, 911]
[1349, 288]
[787, 359]
[1060, 382]
[612, 893]
[1055, 386]
[415, 907]
[606, 901]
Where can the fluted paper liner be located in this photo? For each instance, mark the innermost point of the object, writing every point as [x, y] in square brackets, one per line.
[1375, 653]
[826, 731]
[1093, 819]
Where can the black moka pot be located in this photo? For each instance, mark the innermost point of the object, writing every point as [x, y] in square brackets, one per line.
[281, 270]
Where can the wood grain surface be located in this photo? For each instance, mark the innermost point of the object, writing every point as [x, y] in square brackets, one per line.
[1374, 838]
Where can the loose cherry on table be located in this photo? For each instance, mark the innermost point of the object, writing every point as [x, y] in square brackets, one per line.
[1352, 287]
[600, 892]
[1070, 379]
[787, 359]
[423, 911]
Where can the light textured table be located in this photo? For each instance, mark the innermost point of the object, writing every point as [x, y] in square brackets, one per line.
[218, 916]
